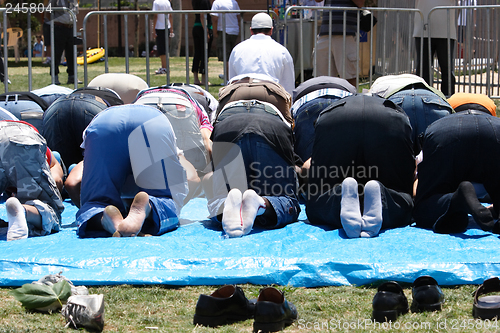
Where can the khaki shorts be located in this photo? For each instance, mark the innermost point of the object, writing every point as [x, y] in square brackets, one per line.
[230, 43]
[338, 59]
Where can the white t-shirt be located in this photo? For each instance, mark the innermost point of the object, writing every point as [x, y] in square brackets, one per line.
[385, 85]
[439, 19]
[232, 24]
[263, 55]
[161, 5]
[462, 14]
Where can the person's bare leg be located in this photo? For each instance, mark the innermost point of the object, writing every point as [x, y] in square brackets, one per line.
[132, 224]
[196, 78]
[352, 81]
[33, 217]
[163, 59]
[203, 78]
[73, 183]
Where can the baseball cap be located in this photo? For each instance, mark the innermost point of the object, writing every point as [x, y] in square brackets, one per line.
[261, 21]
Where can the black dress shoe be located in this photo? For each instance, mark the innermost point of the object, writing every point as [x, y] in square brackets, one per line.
[389, 302]
[427, 296]
[226, 305]
[272, 311]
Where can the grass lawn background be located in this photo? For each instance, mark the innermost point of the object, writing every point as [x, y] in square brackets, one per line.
[171, 309]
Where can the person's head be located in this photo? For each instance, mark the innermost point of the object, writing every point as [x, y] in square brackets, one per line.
[262, 23]
[468, 101]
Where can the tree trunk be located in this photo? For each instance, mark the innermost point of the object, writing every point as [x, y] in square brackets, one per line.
[175, 43]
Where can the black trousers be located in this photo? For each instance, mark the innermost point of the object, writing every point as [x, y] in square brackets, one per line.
[459, 147]
[366, 138]
[199, 48]
[439, 48]
[63, 41]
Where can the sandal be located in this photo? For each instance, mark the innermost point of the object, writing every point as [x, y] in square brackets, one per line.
[487, 307]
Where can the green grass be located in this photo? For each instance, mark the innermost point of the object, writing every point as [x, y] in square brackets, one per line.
[329, 309]
[171, 309]
[18, 72]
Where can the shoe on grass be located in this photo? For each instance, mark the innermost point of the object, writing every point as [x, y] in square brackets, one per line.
[85, 311]
[161, 70]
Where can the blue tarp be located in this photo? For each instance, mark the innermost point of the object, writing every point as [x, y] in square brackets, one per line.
[197, 253]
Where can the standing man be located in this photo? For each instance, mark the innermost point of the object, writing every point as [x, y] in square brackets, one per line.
[340, 59]
[263, 55]
[63, 37]
[441, 22]
[162, 5]
[231, 28]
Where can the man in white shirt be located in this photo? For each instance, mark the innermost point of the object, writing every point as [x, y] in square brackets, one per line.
[231, 28]
[162, 5]
[260, 54]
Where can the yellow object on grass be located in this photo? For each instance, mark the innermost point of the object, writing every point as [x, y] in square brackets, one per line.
[92, 56]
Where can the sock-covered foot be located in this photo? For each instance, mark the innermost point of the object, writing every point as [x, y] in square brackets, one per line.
[132, 224]
[465, 200]
[16, 215]
[232, 221]
[372, 212]
[350, 214]
[252, 205]
[111, 219]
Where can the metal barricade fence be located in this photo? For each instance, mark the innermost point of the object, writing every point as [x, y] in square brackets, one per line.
[389, 48]
[378, 62]
[182, 13]
[4, 12]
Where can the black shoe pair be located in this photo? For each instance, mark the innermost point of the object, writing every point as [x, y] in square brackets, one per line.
[228, 304]
[390, 301]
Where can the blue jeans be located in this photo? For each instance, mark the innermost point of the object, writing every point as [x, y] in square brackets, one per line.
[28, 111]
[423, 107]
[305, 119]
[268, 175]
[64, 122]
[109, 177]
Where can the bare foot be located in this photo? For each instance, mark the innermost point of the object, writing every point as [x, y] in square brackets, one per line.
[139, 210]
[111, 219]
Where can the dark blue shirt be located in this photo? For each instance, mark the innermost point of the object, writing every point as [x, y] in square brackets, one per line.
[338, 18]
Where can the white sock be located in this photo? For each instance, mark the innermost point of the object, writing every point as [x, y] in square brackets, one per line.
[350, 214]
[372, 213]
[253, 205]
[16, 215]
[232, 222]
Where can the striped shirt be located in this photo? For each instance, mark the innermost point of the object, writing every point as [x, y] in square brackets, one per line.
[318, 93]
[338, 18]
